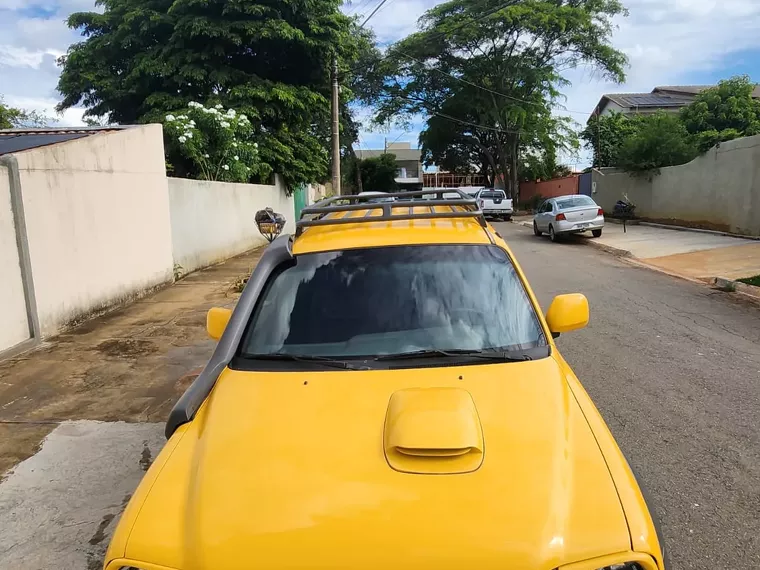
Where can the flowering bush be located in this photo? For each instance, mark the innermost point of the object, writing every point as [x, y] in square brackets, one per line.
[213, 144]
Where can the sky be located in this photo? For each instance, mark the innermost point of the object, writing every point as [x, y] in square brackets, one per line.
[668, 42]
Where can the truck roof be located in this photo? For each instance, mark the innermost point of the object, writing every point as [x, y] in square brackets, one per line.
[407, 221]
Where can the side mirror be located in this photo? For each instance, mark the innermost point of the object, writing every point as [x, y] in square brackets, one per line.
[567, 313]
[216, 321]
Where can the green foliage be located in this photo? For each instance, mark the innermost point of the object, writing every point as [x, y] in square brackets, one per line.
[606, 134]
[518, 52]
[755, 281]
[213, 144]
[542, 167]
[13, 118]
[378, 174]
[723, 113]
[660, 140]
[533, 203]
[142, 59]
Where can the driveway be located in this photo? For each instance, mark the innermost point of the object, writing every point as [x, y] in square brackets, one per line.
[674, 368]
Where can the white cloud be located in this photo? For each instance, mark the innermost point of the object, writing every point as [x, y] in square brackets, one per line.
[666, 41]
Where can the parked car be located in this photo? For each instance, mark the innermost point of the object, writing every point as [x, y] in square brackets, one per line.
[495, 203]
[568, 215]
[375, 197]
[366, 407]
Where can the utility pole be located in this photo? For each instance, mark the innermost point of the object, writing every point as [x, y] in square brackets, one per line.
[385, 146]
[335, 129]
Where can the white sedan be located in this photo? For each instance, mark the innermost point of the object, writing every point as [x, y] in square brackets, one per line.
[568, 215]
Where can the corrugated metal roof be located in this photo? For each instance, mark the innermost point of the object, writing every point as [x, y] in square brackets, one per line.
[16, 140]
[694, 89]
[16, 143]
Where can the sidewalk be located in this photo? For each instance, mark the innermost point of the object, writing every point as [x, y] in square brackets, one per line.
[131, 364]
[690, 254]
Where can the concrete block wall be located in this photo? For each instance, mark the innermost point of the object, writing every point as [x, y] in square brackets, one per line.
[97, 222]
[15, 325]
[549, 188]
[721, 189]
[213, 221]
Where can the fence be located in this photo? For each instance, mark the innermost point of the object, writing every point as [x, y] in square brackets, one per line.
[94, 222]
[548, 188]
[213, 221]
[718, 190]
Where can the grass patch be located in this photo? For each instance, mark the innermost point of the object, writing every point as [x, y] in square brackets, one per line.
[752, 280]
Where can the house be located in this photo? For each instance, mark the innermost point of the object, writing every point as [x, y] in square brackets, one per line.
[409, 172]
[669, 98]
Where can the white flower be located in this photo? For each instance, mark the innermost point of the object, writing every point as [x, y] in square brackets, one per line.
[225, 124]
[255, 145]
[236, 157]
[234, 144]
[192, 104]
[191, 123]
[205, 155]
[231, 112]
[189, 135]
[218, 106]
[183, 117]
[169, 117]
[226, 167]
[213, 111]
[182, 139]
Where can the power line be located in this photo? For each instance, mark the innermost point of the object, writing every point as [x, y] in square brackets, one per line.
[450, 74]
[382, 3]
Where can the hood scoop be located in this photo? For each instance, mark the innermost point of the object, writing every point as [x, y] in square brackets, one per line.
[433, 431]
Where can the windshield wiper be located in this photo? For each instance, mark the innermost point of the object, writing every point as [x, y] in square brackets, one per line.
[323, 360]
[492, 355]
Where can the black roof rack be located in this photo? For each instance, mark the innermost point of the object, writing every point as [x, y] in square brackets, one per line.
[468, 208]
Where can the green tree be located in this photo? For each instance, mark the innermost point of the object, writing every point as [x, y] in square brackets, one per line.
[660, 140]
[142, 59]
[604, 135]
[497, 72]
[212, 143]
[377, 173]
[723, 113]
[14, 118]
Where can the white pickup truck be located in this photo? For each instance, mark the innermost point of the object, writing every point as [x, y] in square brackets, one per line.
[494, 203]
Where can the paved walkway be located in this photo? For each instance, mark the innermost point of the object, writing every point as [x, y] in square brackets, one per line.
[697, 255]
[130, 365]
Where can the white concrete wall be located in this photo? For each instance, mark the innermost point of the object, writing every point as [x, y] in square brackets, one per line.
[15, 326]
[97, 216]
[721, 187]
[213, 221]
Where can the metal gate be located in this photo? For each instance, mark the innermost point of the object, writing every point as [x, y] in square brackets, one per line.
[299, 200]
[584, 184]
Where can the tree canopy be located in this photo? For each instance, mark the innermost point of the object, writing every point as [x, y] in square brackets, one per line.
[723, 113]
[642, 142]
[142, 59]
[377, 173]
[496, 74]
[15, 118]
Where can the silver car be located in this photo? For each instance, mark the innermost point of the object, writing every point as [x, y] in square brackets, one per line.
[568, 215]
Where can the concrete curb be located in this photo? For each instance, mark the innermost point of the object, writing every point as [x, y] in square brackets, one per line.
[735, 286]
[697, 230]
[750, 291]
[616, 251]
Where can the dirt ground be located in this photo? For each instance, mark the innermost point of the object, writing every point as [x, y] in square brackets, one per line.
[131, 364]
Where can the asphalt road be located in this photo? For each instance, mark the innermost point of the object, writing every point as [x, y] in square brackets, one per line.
[674, 368]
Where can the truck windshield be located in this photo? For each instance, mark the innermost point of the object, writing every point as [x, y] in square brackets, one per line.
[391, 300]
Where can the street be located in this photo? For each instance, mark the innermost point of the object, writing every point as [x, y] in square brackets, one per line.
[674, 369]
[672, 365]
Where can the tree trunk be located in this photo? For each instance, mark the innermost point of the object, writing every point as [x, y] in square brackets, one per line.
[357, 168]
[514, 175]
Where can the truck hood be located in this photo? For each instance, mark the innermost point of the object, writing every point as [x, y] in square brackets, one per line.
[489, 466]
